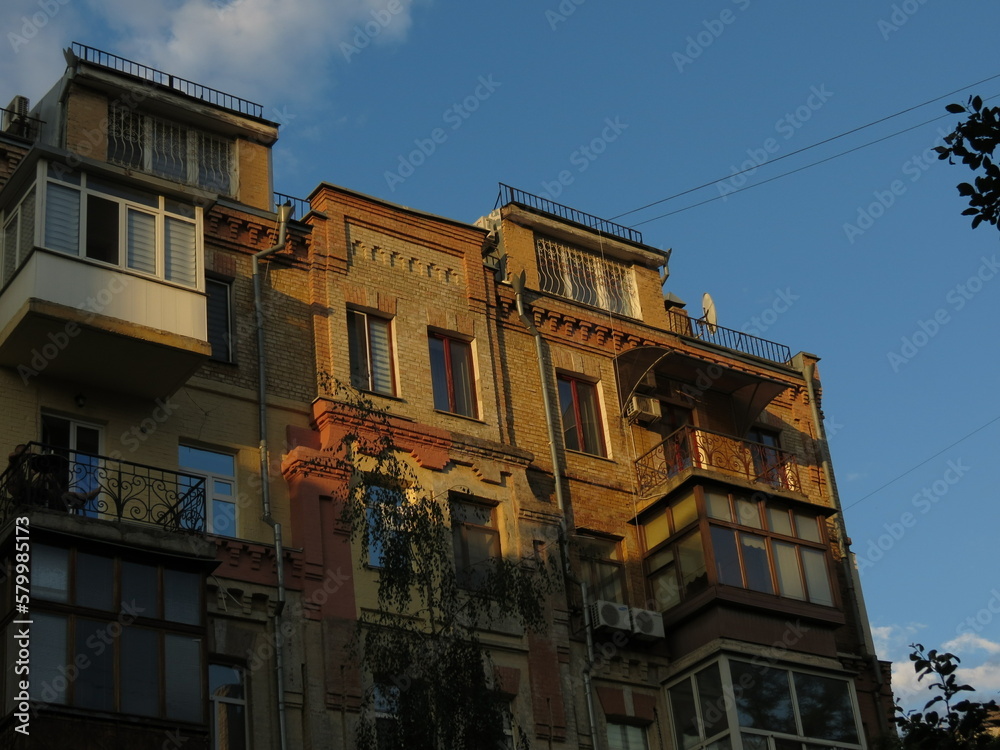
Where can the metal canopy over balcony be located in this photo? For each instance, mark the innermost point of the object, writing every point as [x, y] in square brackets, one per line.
[695, 448]
[750, 392]
[101, 488]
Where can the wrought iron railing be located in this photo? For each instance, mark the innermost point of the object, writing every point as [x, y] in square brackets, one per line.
[20, 125]
[728, 338]
[692, 447]
[509, 194]
[100, 487]
[300, 206]
[584, 277]
[182, 85]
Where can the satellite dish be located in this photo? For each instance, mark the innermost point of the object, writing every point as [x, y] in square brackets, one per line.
[709, 318]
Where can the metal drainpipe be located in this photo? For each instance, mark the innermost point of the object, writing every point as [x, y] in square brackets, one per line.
[518, 284]
[850, 573]
[284, 212]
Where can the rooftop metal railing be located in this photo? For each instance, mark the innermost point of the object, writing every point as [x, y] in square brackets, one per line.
[728, 338]
[509, 194]
[176, 83]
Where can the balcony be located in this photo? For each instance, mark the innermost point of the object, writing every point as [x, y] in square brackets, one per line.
[695, 448]
[102, 488]
[728, 338]
[542, 205]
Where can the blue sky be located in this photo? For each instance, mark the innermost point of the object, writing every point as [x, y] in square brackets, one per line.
[864, 259]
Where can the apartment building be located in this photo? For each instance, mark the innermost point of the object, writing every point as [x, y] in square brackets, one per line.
[192, 581]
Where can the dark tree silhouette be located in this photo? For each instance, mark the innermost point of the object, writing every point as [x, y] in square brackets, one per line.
[973, 142]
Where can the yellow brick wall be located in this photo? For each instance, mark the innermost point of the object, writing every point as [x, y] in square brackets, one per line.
[87, 123]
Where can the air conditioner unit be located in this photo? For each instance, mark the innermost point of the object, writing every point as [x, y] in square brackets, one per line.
[14, 116]
[646, 624]
[643, 409]
[609, 616]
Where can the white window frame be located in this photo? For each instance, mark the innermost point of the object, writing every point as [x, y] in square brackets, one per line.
[11, 258]
[214, 699]
[210, 495]
[734, 730]
[160, 212]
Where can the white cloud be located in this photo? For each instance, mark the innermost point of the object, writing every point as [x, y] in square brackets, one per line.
[34, 33]
[970, 641]
[271, 51]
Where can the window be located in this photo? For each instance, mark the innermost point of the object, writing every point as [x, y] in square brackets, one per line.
[602, 568]
[573, 273]
[171, 150]
[581, 416]
[219, 472]
[626, 737]
[385, 702]
[767, 458]
[476, 540]
[452, 375]
[219, 321]
[227, 696]
[18, 235]
[772, 708]
[369, 341]
[382, 506]
[756, 544]
[118, 225]
[79, 444]
[137, 626]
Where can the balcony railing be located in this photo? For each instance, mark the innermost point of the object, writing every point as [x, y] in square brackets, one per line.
[538, 203]
[728, 338]
[20, 125]
[100, 487]
[300, 206]
[184, 86]
[691, 447]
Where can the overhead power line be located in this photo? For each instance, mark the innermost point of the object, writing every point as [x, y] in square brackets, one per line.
[802, 150]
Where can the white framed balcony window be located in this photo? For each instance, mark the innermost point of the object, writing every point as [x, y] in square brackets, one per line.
[117, 225]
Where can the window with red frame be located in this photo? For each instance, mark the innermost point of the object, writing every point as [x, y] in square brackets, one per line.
[581, 416]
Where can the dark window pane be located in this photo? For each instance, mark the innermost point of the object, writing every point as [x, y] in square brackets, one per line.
[102, 229]
[49, 573]
[727, 559]
[94, 581]
[217, 309]
[183, 677]
[755, 563]
[825, 708]
[95, 686]
[439, 375]
[140, 589]
[567, 407]
[763, 700]
[212, 462]
[590, 423]
[140, 672]
[48, 654]
[225, 682]
[713, 700]
[461, 378]
[229, 726]
[182, 597]
[357, 347]
[684, 715]
[666, 590]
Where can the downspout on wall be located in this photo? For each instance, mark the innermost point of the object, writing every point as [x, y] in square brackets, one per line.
[518, 284]
[847, 557]
[284, 213]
